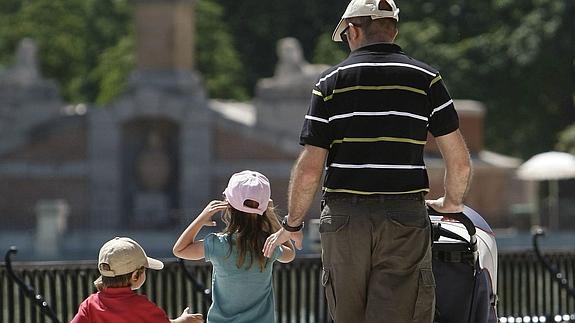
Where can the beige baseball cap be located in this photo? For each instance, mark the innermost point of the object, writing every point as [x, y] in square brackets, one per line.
[365, 8]
[123, 256]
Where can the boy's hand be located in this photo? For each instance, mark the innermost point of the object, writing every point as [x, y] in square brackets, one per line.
[187, 317]
[212, 208]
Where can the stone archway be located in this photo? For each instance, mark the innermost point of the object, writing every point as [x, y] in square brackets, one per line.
[150, 172]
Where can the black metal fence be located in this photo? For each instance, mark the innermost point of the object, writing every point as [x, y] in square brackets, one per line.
[64, 285]
[525, 288]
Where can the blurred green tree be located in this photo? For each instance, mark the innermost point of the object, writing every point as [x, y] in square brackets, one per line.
[515, 56]
[566, 141]
[88, 45]
[71, 35]
[327, 51]
[258, 25]
[112, 69]
[217, 58]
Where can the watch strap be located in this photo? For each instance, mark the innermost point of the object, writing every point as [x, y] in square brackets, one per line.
[289, 228]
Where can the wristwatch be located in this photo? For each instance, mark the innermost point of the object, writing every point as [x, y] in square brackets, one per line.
[288, 227]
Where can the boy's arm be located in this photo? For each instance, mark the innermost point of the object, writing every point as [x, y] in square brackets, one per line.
[186, 247]
[82, 315]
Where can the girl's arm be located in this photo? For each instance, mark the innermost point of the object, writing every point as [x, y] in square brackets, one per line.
[287, 248]
[288, 252]
[186, 247]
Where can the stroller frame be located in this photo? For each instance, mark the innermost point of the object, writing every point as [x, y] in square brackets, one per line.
[465, 267]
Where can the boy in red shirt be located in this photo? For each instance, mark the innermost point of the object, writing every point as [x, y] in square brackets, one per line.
[122, 263]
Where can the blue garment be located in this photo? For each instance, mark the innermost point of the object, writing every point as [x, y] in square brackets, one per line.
[239, 294]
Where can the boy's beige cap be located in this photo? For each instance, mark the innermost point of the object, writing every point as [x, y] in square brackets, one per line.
[362, 8]
[124, 256]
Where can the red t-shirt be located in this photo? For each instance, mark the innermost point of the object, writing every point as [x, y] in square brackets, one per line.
[119, 305]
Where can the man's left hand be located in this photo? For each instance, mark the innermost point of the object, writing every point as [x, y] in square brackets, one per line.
[280, 237]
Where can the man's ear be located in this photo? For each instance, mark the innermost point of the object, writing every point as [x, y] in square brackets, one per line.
[354, 31]
[135, 275]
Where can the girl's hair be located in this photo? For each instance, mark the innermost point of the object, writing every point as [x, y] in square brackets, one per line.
[117, 281]
[250, 231]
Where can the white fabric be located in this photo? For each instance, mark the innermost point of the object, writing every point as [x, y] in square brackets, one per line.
[551, 165]
[365, 8]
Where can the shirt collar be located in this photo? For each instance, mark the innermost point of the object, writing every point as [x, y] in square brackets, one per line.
[378, 47]
[117, 290]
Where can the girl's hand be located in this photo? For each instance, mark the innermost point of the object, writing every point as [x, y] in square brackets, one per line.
[212, 208]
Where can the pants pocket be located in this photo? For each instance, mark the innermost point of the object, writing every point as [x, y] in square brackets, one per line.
[424, 308]
[326, 281]
[410, 214]
[329, 223]
[334, 235]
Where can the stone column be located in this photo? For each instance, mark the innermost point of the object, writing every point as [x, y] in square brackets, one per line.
[104, 169]
[196, 166]
[165, 36]
[51, 222]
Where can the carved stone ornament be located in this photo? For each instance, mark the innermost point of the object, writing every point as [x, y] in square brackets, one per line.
[153, 165]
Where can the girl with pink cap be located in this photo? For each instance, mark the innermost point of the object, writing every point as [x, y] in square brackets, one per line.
[242, 277]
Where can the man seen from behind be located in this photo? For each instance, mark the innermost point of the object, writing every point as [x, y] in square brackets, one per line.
[367, 125]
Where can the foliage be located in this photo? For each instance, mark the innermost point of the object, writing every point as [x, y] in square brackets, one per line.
[70, 34]
[218, 61]
[567, 140]
[88, 45]
[114, 66]
[515, 56]
[327, 51]
[258, 25]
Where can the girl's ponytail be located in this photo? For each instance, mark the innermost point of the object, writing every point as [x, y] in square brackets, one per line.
[250, 231]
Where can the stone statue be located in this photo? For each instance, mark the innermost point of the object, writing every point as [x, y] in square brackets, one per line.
[293, 74]
[153, 165]
[291, 63]
[25, 69]
[281, 100]
[22, 88]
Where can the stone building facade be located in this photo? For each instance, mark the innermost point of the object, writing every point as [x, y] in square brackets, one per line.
[152, 159]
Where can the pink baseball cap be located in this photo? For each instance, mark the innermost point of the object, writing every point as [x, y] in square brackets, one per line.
[248, 185]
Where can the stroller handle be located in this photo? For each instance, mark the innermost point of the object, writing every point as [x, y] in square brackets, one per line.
[461, 218]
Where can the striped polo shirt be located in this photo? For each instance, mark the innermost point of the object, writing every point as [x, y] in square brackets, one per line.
[373, 112]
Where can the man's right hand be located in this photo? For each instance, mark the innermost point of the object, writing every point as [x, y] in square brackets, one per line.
[442, 206]
[280, 237]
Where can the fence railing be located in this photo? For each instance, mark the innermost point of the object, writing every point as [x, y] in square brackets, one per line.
[64, 285]
[524, 288]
